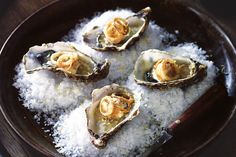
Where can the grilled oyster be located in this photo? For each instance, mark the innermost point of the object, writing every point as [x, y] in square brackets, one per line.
[160, 69]
[118, 33]
[64, 58]
[112, 106]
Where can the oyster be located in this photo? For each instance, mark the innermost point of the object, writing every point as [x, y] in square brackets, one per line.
[118, 33]
[160, 69]
[65, 59]
[112, 106]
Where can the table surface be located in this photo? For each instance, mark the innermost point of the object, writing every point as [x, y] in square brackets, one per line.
[12, 12]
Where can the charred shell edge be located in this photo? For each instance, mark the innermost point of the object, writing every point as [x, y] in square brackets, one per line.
[143, 14]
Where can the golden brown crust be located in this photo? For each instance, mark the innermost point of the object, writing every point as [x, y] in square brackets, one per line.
[116, 30]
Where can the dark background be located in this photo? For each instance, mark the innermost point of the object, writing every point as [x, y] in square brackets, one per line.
[12, 12]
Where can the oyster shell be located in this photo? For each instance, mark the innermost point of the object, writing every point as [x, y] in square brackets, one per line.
[160, 69]
[118, 33]
[65, 59]
[112, 106]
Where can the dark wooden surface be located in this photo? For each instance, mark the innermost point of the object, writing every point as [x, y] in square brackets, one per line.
[12, 12]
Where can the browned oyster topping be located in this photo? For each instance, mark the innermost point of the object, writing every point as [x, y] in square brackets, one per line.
[116, 30]
[166, 70]
[67, 62]
[115, 106]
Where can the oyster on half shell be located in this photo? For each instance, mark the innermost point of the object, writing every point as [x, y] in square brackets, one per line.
[112, 106]
[160, 69]
[65, 59]
[118, 33]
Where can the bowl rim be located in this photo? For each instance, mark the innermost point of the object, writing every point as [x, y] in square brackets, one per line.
[197, 10]
[218, 26]
[5, 115]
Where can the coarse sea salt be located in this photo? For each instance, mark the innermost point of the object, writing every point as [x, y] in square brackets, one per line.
[158, 109]
[46, 92]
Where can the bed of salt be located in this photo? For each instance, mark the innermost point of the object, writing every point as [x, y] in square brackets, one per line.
[46, 92]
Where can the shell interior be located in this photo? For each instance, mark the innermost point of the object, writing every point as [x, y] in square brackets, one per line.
[137, 23]
[100, 128]
[191, 72]
[38, 58]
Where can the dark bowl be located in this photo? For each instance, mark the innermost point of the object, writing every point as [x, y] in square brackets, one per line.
[54, 21]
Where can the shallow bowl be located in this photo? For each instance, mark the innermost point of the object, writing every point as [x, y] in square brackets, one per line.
[52, 22]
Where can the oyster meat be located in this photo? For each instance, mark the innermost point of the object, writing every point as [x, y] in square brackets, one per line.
[112, 106]
[160, 69]
[65, 59]
[118, 33]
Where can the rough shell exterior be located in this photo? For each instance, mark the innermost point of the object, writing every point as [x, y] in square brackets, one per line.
[140, 18]
[100, 138]
[32, 62]
[146, 61]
